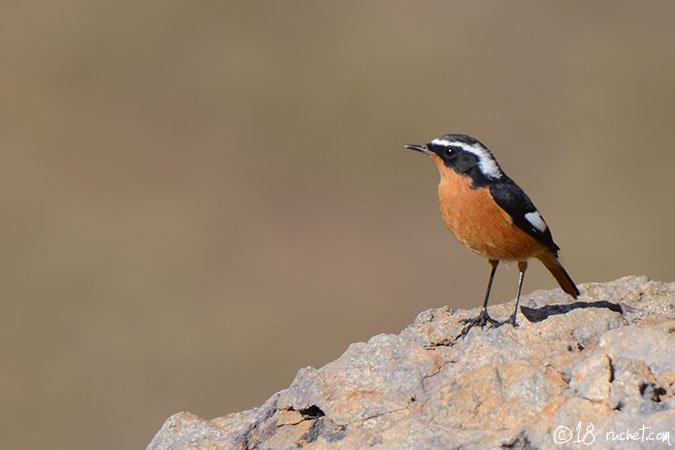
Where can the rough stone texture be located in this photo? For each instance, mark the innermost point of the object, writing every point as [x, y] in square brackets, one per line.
[584, 370]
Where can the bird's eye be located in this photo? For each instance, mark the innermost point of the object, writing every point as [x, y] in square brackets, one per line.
[448, 151]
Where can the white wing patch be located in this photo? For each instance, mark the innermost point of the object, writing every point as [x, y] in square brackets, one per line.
[536, 220]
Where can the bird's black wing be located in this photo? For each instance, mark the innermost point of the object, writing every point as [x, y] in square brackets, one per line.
[512, 199]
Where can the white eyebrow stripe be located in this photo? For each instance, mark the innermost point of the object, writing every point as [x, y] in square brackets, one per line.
[443, 142]
[536, 220]
[486, 161]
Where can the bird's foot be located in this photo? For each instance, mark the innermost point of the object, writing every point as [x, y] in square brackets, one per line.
[511, 320]
[482, 320]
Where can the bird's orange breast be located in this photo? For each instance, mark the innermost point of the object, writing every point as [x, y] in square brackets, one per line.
[478, 222]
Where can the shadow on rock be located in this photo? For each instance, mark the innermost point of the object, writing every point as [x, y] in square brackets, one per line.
[543, 313]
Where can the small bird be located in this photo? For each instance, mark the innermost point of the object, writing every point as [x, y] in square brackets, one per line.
[490, 214]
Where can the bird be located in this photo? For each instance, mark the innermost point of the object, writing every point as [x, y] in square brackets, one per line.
[490, 215]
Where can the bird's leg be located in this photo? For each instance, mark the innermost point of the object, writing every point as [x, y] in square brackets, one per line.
[522, 267]
[483, 318]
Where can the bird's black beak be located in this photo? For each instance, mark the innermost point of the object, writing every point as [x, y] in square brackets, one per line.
[419, 148]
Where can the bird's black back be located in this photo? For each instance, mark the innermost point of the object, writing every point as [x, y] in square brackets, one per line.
[512, 199]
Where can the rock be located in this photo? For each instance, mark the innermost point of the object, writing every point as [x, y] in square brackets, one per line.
[592, 378]
[598, 371]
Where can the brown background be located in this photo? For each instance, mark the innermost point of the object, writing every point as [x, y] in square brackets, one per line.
[199, 198]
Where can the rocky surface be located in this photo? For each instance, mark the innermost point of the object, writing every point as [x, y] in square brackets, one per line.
[598, 372]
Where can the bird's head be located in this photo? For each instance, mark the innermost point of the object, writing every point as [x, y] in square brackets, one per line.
[463, 154]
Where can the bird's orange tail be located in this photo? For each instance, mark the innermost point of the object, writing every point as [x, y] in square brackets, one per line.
[558, 271]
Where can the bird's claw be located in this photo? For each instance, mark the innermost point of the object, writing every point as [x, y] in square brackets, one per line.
[511, 320]
[482, 320]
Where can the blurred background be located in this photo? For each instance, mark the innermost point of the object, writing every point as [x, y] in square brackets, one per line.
[200, 198]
